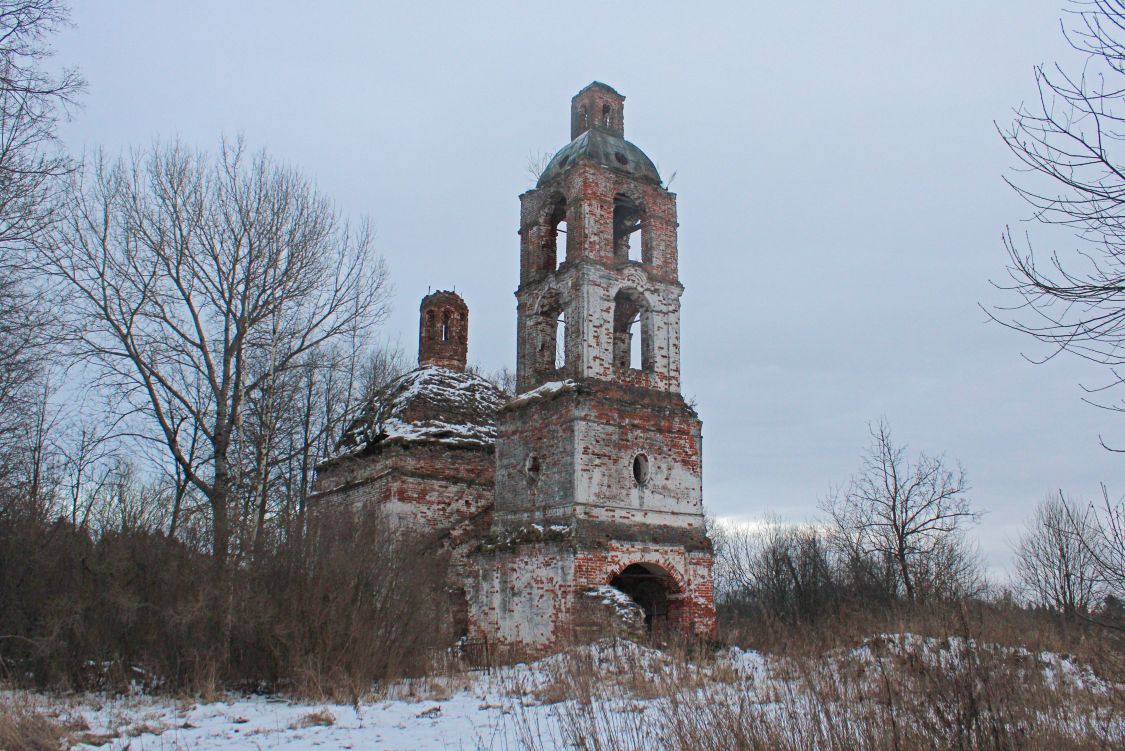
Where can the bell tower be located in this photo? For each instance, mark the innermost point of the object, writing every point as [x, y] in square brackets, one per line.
[598, 448]
[599, 289]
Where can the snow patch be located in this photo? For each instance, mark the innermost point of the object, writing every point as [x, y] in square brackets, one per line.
[624, 606]
[546, 391]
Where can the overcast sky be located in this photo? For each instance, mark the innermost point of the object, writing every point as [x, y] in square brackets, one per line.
[839, 183]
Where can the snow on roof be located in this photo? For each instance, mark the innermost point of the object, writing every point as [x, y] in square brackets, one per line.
[432, 405]
[545, 391]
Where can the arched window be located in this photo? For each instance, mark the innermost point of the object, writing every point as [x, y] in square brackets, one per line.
[606, 113]
[632, 332]
[431, 328]
[628, 218]
[553, 236]
[445, 333]
[583, 118]
[550, 324]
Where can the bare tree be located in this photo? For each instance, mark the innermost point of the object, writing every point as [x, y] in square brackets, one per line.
[537, 162]
[1055, 560]
[503, 379]
[909, 513]
[793, 573]
[1069, 143]
[31, 159]
[195, 282]
[87, 453]
[31, 103]
[1106, 543]
[125, 503]
[23, 340]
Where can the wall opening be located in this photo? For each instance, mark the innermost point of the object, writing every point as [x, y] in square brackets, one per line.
[650, 586]
[636, 339]
[445, 333]
[628, 220]
[552, 244]
[560, 341]
[640, 469]
[550, 327]
[607, 113]
[632, 332]
[560, 244]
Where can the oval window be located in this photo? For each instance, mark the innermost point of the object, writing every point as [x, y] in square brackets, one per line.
[640, 469]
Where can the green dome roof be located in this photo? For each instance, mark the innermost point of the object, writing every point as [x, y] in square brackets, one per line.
[605, 149]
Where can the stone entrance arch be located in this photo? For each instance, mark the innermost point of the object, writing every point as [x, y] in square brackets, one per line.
[656, 591]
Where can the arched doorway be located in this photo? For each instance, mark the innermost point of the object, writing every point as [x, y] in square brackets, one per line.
[651, 587]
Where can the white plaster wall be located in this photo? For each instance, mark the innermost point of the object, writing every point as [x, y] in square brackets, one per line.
[524, 596]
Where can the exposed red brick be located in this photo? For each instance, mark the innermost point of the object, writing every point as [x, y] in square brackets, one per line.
[597, 478]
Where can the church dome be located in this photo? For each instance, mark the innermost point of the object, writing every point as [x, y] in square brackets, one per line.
[431, 404]
[605, 149]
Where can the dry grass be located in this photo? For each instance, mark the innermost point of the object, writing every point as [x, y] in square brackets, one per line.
[899, 695]
[987, 623]
[431, 687]
[319, 718]
[24, 727]
[893, 693]
[144, 728]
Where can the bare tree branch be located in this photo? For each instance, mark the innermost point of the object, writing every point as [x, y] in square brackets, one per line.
[1068, 144]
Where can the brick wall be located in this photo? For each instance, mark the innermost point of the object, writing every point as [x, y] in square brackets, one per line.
[432, 488]
[585, 442]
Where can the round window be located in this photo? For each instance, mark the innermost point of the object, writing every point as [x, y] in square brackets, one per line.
[620, 158]
[531, 467]
[640, 469]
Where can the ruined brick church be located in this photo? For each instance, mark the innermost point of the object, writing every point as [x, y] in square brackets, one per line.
[579, 498]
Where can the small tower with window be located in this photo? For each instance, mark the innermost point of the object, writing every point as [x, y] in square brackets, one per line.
[598, 448]
[443, 331]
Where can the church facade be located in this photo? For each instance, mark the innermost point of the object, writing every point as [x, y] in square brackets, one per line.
[580, 497]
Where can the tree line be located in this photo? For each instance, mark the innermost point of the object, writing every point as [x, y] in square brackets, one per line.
[896, 538]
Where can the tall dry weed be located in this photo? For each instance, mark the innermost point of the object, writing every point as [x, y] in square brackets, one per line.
[893, 693]
[24, 727]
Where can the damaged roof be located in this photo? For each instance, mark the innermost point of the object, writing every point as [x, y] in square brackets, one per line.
[428, 405]
[605, 149]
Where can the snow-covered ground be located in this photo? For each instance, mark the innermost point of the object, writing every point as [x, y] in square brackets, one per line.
[468, 718]
[472, 710]
[615, 688]
[505, 708]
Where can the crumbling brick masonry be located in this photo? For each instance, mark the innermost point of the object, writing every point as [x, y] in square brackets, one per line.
[580, 498]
